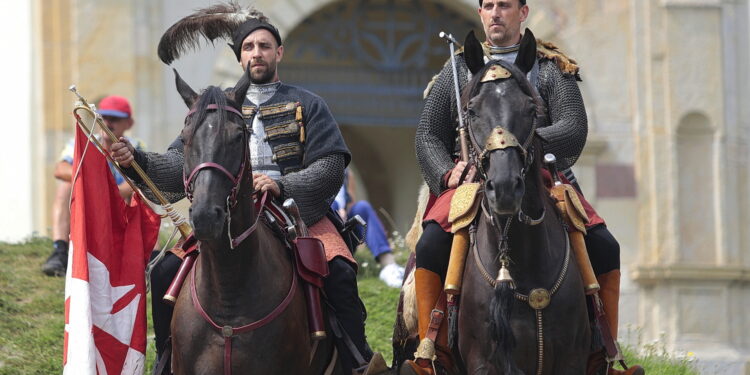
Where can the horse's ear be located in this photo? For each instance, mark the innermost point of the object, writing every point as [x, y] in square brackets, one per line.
[188, 95]
[527, 52]
[237, 94]
[473, 53]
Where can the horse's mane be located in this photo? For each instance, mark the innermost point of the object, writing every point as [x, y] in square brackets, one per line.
[211, 95]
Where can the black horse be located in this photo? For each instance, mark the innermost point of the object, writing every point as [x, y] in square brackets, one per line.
[522, 306]
[538, 322]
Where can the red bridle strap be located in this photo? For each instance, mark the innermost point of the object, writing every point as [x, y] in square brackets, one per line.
[237, 240]
[207, 165]
[228, 331]
[216, 106]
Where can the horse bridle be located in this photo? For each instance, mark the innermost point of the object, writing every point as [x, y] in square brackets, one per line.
[501, 138]
[236, 180]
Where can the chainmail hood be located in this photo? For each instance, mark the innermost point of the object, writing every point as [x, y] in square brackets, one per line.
[563, 131]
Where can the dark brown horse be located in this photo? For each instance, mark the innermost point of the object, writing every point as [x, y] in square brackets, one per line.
[537, 323]
[244, 274]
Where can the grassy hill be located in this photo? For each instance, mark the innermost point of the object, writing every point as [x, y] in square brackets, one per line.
[32, 310]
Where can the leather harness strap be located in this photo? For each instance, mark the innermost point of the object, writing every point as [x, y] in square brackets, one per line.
[237, 240]
[436, 320]
[340, 332]
[228, 331]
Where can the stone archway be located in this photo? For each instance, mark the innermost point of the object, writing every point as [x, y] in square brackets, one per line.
[371, 66]
[289, 14]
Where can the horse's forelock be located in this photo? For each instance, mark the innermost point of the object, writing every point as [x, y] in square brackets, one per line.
[211, 95]
[472, 89]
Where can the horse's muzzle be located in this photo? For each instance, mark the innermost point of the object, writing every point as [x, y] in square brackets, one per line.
[505, 196]
[207, 220]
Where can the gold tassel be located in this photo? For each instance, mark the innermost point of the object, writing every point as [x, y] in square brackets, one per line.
[298, 117]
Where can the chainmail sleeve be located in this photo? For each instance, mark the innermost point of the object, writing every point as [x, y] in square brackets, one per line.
[436, 133]
[566, 134]
[315, 187]
[165, 170]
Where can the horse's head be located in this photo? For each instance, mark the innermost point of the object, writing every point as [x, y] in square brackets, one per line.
[501, 107]
[217, 164]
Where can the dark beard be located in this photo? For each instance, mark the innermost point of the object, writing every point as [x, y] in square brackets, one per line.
[262, 78]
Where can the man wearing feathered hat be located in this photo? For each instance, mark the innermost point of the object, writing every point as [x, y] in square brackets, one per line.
[297, 152]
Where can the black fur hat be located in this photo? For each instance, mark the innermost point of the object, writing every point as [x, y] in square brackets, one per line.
[229, 21]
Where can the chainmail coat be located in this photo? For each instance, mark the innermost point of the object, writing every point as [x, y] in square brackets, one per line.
[326, 174]
[564, 134]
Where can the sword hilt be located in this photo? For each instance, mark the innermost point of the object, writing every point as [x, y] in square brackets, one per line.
[291, 207]
[551, 161]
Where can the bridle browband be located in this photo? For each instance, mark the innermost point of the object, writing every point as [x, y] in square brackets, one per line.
[236, 180]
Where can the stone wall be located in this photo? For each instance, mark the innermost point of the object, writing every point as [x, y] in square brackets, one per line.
[666, 86]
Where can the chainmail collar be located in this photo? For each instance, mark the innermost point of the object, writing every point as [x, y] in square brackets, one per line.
[509, 54]
[259, 94]
[492, 50]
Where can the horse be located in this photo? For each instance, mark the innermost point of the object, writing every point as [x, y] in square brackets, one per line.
[532, 318]
[242, 309]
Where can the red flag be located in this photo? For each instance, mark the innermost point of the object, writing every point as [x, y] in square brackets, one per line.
[105, 289]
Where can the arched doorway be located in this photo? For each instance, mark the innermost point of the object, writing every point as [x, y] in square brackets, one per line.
[371, 60]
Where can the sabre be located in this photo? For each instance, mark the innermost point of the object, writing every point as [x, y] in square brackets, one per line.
[461, 127]
[181, 224]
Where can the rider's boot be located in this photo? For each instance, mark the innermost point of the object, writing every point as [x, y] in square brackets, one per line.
[610, 295]
[428, 289]
[341, 289]
[161, 313]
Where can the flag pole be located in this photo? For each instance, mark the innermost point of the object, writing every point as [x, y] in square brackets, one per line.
[82, 105]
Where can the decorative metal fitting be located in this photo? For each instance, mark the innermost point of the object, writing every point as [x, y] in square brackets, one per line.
[227, 331]
[503, 275]
[426, 350]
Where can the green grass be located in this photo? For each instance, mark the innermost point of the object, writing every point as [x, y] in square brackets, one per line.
[32, 310]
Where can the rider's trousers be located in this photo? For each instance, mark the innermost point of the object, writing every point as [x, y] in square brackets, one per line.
[434, 246]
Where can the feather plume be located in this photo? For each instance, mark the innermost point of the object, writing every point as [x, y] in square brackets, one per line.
[211, 23]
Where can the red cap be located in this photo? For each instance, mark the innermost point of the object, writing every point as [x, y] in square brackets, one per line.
[115, 106]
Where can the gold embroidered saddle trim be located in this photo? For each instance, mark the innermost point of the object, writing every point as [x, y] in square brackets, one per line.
[464, 206]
